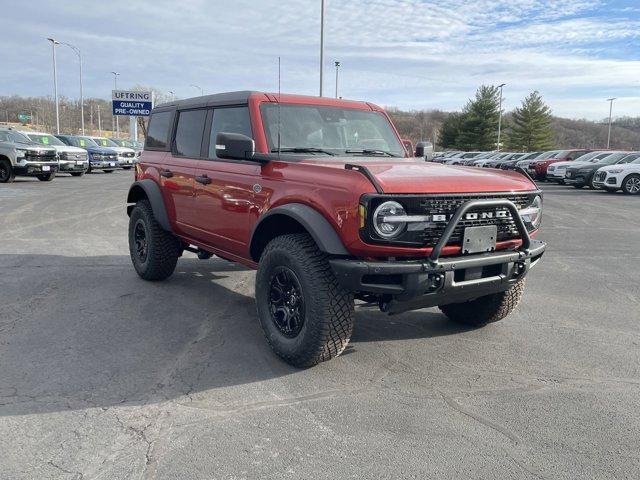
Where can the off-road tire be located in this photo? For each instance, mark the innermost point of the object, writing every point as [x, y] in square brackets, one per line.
[46, 177]
[328, 308]
[579, 187]
[77, 174]
[626, 184]
[108, 171]
[7, 175]
[487, 309]
[163, 248]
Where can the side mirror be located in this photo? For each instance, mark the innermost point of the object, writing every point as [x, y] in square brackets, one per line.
[235, 146]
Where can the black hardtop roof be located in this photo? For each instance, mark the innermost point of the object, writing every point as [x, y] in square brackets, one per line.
[228, 98]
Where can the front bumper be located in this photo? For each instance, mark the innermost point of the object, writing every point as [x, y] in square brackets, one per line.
[577, 179]
[71, 166]
[555, 175]
[104, 164]
[35, 168]
[126, 162]
[415, 284]
[610, 181]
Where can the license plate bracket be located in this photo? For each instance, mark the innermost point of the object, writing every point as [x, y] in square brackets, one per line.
[479, 239]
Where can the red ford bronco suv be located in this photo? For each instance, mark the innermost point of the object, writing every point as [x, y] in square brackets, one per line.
[320, 197]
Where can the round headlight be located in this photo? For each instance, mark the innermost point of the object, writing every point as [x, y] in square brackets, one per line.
[387, 220]
[532, 215]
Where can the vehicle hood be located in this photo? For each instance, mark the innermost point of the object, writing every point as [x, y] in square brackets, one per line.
[621, 166]
[578, 166]
[101, 150]
[34, 146]
[123, 149]
[566, 164]
[68, 149]
[416, 176]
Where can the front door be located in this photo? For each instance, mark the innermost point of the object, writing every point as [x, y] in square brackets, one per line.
[225, 190]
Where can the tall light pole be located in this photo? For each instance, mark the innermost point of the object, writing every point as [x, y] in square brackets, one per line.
[610, 100]
[199, 88]
[337, 64]
[501, 86]
[115, 87]
[54, 42]
[321, 44]
[173, 95]
[77, 50]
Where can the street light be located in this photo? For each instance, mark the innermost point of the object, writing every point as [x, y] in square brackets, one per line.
[321, 42]
[173, 95]
[500, 115]
[77, 50]
[54, 42]
[337, 64]
[610, 100]
[115, 87]
[198, 87]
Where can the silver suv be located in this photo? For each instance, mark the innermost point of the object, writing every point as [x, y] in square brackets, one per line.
[71, 160]
[19, 156]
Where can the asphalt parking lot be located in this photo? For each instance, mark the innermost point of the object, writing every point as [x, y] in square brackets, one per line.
[103, 375]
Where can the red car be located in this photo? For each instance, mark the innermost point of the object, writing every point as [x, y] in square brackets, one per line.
[320, 197]
[539, 168]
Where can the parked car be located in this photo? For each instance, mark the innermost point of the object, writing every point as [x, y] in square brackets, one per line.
[623, 176]
[528, 164]
[126, 156]
[511, 163]
[323, 203]
[496, 162]
[557, 170]
[469, 162]
[22, 157]
[100, 158]
[540, 166]
[583, 174]
[72, 160]
[458, 159]
[133, 144]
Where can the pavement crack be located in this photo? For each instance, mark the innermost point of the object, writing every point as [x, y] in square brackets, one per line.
[77, 475]
[481, 419]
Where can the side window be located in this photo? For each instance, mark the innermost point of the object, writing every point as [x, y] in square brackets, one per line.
[189, 132]
[158, 132]
[229, 120]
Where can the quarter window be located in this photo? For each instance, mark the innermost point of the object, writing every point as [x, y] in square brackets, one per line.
[229, 120]
[189, 133]
[158, 130]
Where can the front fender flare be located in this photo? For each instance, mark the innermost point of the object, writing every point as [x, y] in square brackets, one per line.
[313, 222]
[154, 195]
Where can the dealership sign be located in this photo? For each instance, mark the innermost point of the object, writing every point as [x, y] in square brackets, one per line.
[132, 104]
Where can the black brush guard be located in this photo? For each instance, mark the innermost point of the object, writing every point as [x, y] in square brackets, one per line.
[413, 284]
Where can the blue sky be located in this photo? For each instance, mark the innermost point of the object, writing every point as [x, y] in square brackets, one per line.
[412, 54]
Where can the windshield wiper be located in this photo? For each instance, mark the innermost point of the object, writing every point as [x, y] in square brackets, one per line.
[302, 150]
[372, 152]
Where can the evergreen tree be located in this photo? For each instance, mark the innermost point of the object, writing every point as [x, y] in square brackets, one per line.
[479, 129]
[531, 129]
[450, 130]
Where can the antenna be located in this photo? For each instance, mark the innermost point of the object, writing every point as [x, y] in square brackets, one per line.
[279, 103]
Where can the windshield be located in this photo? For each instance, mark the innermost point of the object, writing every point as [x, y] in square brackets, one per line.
[547, 155]
[83, 142]
[630, 158]
[45, 139]
[329, 130]
[105, 142]
[587, 157]
[531, 156]
[613, 158]
[11, 136]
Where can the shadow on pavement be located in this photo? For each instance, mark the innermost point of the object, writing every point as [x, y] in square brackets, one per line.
[79, 332]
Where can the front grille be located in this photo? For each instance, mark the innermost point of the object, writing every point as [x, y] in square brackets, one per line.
[507, 229]
[600, 176]
[73, 156]
[128, 154]
[41, 157]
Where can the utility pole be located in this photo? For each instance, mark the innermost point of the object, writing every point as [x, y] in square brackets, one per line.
[99, 122]
[91, 118]
[54, 42]
[77, 50]
[321, 43]
[115, 87]
[610, 100]
[500, 116]
[337, 64]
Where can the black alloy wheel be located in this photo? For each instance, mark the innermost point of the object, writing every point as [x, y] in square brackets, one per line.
[140, 239]
[286, 302]
[5, 172]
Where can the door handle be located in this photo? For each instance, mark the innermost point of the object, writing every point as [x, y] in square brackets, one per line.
[166, 173]
[204, 180]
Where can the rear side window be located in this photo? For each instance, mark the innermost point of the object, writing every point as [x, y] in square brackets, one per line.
[229, 120]
[189, 132]
[158, 132]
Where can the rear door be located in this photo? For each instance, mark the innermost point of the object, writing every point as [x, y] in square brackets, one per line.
[179, 166]
[225, 190]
